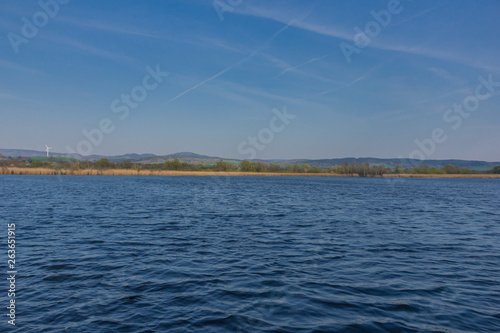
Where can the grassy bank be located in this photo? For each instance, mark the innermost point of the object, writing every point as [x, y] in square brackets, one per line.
[129, 172]
[412, 175]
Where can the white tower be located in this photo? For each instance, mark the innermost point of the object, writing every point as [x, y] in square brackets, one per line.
[47, 149]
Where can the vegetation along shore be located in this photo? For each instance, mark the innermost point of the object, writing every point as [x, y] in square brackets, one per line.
[65, 166]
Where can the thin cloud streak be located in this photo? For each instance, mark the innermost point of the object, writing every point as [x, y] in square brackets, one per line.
[296, 23]
[363, 76]
[91, 49]
[413, 17]
[250, 56]
[283, 65]
[201, 41]
[381, 44]
[310, 61]
[17, 67]
[108, 28]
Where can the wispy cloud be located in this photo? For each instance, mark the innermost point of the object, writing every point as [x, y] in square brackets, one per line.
[248, 57]
[411, 18]
[13, 66]
[90, 49]
[426, 50]
[284, 66]
[445, 75]
[129, 30]
[8, 96]
[201, 41]
[18, 98]
[259, 93]
[206, 41]
[363, 76]
[329, 30]
[310, 61]
[277, 62]
[297, 20]
[356, 80]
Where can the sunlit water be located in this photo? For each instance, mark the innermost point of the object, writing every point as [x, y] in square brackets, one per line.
[253, 254]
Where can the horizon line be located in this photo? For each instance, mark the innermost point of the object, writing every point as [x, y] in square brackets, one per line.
[228, 158]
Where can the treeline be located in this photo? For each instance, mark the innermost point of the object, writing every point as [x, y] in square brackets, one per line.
[446, 170]
[361, 169]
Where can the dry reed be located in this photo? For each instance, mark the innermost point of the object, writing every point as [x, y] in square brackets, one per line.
[472, 175]
[129, 172]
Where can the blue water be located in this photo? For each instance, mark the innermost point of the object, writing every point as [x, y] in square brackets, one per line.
[252, 254]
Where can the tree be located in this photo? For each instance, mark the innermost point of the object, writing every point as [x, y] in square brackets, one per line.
[167, 165]
[76, 166]
[314, 169]
[274, 167]
[260, 167]
[176, 164]
[103, 163]
[451, 169]
[496, 170]
[126, 165]
[223, 166]
[36, 164]
[247, 166]
[172, 165]
[399, 169]
[362, 169]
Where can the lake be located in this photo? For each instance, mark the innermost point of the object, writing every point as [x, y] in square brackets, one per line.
[252, 254]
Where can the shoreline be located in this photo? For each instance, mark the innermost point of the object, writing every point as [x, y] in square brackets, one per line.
[126, 172]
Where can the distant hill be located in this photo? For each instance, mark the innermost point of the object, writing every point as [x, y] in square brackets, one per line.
[140, 158]
[24, 153]
[33, 153]
[193, 158]
[392, 162]
[121, 158]
[191, 155]
[186, 157]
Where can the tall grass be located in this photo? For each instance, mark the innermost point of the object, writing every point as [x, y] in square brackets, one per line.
[131, 172]
[429, 175]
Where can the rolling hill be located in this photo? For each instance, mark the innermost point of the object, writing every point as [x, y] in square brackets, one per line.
[193, 158]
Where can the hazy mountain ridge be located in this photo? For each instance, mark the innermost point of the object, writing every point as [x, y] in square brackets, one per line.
[194, 158]
[392, 162]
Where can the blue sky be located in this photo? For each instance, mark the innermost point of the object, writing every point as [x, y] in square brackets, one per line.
[226, 77]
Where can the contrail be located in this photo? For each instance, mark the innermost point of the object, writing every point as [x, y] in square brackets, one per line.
[344, 86]
[364, 75]
[414, 16]
[248, 57]
[303, 64]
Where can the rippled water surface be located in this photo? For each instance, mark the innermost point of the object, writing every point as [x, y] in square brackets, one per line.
[253, 254]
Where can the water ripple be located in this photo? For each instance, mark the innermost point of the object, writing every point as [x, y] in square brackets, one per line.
[250, 254]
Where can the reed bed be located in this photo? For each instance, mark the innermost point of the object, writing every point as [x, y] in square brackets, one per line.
[129, 172]
[472, 175]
